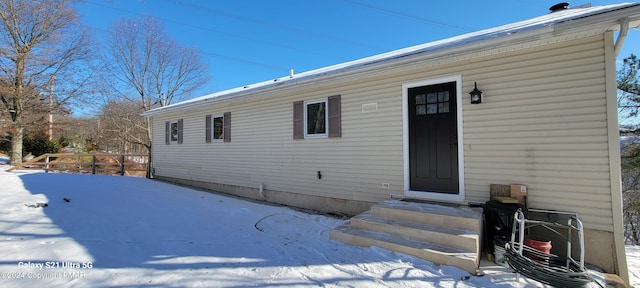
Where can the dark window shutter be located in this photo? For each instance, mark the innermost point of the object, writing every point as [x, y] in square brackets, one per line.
[298, 120]
[226, 127]
[207, 132]
[167, 132]
[180, 123]
[335, 123]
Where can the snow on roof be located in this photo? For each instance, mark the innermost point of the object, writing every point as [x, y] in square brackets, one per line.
[457, 41]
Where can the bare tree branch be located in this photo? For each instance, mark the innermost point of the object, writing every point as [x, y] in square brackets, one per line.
[38, 39]
[149, 69]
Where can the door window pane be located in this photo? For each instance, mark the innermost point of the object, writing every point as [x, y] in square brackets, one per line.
[443, 107]
[443, 96]
[432, 108]
[421, 109]
[432, 98]
[432, 103]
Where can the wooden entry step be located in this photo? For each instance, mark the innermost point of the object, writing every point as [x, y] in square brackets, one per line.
[441, 234]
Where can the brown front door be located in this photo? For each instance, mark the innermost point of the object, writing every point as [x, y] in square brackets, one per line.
[433, 138]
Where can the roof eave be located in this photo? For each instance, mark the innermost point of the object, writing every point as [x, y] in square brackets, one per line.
[607, 21]
[590, 25]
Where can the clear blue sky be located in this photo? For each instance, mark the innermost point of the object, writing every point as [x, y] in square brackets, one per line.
[249, 41]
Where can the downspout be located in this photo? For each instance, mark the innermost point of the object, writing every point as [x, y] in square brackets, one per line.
[624, 29]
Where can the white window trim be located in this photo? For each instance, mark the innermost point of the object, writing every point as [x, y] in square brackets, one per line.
[326, 118]
[213, 126]
[171, 123]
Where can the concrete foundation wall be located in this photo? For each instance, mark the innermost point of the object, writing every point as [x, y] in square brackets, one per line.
[316, 203]
[598, 244]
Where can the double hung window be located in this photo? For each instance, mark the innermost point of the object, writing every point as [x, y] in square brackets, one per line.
[318, 118]
[173, 132]
[315, 116]
[218, 128]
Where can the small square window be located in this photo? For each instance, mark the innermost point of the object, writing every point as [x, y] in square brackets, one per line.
[218, 128]
[443, 107]
[316, 118]
[432, 98]
[443, 96]
[432, 109]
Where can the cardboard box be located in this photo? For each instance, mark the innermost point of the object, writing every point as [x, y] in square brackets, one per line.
[499, 190]
[519, 192]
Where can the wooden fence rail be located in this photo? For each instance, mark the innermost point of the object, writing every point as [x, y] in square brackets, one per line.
[122, 164]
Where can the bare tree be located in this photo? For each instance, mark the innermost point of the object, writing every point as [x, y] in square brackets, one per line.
[123, 127]
[629, 106]
[39, 41]
[150, 69]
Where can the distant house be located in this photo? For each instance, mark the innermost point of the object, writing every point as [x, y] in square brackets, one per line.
[344, 137]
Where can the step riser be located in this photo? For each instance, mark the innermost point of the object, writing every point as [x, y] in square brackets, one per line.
[468, 265]
[444, 235]
[428, 218]
[466, 242]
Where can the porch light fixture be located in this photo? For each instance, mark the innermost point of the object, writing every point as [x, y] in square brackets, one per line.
[476, 95]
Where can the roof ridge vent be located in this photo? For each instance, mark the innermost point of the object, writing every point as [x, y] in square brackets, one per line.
[559, 7]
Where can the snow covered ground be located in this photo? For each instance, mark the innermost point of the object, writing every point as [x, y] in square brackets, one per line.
[112, 231]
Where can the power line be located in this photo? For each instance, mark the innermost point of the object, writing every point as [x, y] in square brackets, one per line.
[278, 26]
[218, 55]
[534, 4]
[408, 16]
[236, 59]
[304, 32]
[227, 34]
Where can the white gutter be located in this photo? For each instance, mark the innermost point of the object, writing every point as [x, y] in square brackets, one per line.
[449, 50]
[624, 29]
[349, 72]
[462, 46]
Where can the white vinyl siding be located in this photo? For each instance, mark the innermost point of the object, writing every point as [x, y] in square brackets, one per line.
[263, 150]
[542, 123]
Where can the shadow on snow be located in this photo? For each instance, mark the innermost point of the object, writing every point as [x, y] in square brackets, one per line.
[142, 223]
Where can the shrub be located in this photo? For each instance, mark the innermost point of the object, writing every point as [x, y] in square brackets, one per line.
[40, 144]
